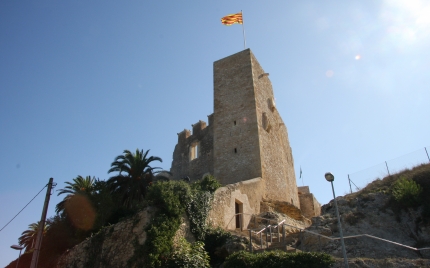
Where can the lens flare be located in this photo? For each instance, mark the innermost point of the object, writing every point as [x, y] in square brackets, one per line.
[329, 73]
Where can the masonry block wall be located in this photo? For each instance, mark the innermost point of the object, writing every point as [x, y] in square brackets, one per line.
[182, 164]
[275, 151]
[236, 139]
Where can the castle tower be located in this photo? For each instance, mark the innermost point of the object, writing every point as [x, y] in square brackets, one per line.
[250, 139]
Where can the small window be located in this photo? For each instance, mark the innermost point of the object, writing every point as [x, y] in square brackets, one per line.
[235, 122]
[194, 150]
[235, 150]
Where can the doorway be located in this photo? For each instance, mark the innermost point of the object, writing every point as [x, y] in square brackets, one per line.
[238, 208]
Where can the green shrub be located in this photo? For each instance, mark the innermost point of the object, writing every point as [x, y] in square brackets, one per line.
[159, 241]
[407, 192]
[275, 259]
[208, 183]
[215, 238]
[188, 255]
[170, 196]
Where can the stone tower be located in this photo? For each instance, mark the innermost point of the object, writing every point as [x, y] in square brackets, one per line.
[245, 138]
[250, 138]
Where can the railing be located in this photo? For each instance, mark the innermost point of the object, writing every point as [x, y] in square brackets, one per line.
[268, 230]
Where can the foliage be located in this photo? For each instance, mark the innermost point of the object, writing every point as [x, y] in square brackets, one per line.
[132, 185]
[407, 192]
[188, 255]
[80, 185]
[28, 237]
[173, 199]
[215, 238]
[198, 210]
[170, 196]
[159, 242]
[275, 259]
[208, 183]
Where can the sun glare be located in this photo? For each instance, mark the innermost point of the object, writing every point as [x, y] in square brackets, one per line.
[407, 20]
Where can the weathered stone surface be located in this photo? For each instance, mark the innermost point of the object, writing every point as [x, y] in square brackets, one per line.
[182, 165]
[309, 205]
[112, 247]
[369, 214]
[246, 193]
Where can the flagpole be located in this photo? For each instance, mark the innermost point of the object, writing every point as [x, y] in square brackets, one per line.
[243, 30]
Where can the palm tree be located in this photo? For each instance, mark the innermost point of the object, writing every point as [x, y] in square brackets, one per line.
[80, 185]
[138, 175]
[28, 237]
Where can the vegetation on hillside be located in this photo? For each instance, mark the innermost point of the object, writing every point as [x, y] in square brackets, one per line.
[407, 189]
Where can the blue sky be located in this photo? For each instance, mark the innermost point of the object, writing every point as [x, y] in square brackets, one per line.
[80, 82]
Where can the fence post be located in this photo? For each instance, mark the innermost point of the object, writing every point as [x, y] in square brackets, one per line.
[261, 240]
[279, 238]
[250, 240]
[267, 238]
[350, 188]
[284, 240]
[387, 168]
[270, 232]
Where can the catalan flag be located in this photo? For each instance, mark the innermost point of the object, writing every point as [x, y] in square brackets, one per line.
[232, 19]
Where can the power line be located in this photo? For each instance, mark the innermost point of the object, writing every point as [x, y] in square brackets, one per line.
[23, 208]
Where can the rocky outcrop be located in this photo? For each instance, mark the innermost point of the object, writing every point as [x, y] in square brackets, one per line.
[119, 245]
[113, 246]
[368, 214]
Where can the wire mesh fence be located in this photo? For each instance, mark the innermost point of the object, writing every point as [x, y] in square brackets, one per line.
[360, 179]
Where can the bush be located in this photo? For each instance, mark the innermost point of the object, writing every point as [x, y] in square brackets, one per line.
[208, 183]
[171, 196]
[275, 259]
[406, 192]
[189, 255]
[214, 239]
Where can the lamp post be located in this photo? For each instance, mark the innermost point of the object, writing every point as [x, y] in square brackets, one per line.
[329, 177]
[17, 248]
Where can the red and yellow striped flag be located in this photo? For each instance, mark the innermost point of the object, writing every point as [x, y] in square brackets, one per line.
[232, 19]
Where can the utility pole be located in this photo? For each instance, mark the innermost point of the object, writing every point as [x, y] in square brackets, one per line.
[36, 251]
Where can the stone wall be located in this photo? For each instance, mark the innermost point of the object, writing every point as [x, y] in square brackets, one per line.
[308, 203]
[247, 193]
[236, 141]
[182, 165]
[275, 152]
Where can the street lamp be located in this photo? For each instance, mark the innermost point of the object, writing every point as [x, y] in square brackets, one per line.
[329, 177]
[17, 248]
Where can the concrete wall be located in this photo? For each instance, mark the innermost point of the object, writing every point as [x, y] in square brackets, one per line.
[182, 165]
[249, 193]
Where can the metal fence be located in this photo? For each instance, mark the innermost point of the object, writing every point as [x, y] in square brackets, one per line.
[360, 179]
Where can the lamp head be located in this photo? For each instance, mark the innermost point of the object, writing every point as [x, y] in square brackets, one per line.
[329, 177]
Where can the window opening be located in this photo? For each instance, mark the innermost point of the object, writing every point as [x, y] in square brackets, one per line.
[235, 122]
[235, 150]
[194, 151]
